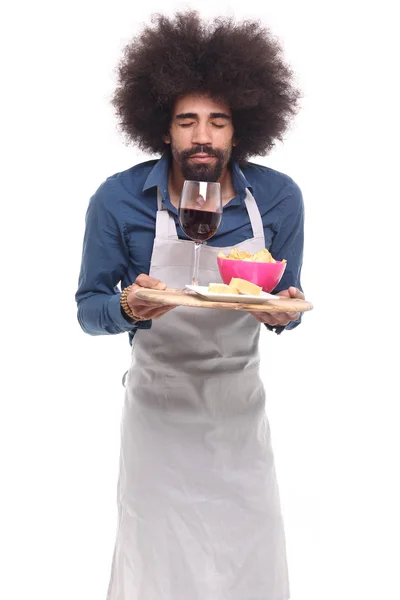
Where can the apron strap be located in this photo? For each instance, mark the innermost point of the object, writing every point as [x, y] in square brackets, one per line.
[254, 215]
[165, 224]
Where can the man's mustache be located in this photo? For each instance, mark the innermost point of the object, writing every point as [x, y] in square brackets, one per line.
[199, 150]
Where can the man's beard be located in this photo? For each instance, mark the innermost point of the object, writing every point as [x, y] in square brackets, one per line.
[202, 172]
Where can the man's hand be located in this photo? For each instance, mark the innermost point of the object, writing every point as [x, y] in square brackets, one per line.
[280, 318]
[142, 308]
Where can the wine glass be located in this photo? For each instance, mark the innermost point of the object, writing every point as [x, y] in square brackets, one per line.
[200, 214]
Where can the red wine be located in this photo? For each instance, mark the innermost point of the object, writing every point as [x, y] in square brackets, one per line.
[199, 225]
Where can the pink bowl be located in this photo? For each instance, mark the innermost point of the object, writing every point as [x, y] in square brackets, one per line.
[265, 275]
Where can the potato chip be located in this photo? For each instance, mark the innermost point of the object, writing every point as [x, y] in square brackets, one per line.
[260, 256]
[238, 254]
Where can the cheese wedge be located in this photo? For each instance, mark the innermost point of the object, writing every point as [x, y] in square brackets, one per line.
[221, 288]
[245, 287]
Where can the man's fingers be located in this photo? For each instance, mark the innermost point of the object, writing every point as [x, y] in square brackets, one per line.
[143, 304]
[292, 292]
[144, 308]
[278, 318]
[150, 282]
[269, 318]
[292, 316]
[159, 312]
[295, 293]
[154, 313]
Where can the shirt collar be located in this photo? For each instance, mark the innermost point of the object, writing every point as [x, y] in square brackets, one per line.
[158, 177]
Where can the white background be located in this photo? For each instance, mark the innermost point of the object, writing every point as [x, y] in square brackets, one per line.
[332, 384]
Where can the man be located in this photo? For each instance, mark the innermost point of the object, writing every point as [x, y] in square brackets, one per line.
[199, 510]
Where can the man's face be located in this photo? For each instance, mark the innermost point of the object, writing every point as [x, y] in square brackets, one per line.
[201, 137]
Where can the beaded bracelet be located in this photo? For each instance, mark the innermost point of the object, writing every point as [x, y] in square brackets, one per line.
[125, 306]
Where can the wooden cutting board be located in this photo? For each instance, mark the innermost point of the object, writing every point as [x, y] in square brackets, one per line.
[180, 298]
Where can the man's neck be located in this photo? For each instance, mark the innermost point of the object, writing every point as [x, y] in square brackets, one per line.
[176, 180]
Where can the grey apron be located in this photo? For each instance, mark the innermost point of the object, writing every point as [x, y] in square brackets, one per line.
[199, 508]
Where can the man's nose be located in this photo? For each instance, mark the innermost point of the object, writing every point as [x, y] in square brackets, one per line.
[201, 135]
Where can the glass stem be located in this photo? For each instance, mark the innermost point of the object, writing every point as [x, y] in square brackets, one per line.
[196, 262]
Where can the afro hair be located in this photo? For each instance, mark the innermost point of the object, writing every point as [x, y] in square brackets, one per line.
[238, 63]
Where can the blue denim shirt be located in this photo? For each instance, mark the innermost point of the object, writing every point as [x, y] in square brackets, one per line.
[120, 229]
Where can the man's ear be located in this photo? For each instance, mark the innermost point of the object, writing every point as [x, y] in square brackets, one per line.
[167, 139]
